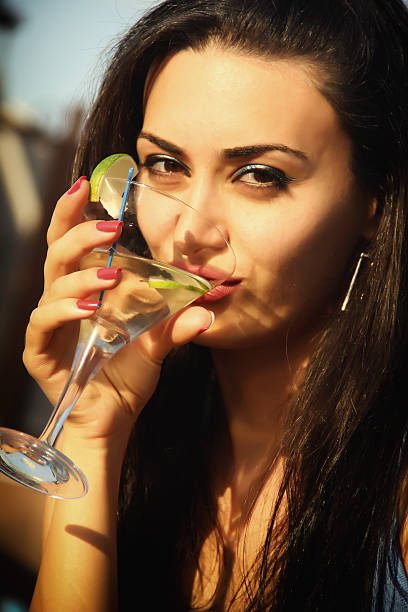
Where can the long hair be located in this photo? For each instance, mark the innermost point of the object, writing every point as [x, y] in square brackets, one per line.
[345, 444]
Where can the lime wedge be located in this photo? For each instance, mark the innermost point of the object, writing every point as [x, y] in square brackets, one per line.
[159, 283]
[105, 190]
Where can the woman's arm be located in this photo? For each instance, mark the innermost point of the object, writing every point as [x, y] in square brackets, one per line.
[78, 567]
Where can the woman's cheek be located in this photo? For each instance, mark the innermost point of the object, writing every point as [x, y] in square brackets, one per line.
[156, 227]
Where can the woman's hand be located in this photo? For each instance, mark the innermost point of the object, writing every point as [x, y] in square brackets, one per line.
[114, 399]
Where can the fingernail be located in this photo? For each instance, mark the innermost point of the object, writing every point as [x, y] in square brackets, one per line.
[109, 226]
[76, 185]
[212, 315]
[87, 305]
[108, 273]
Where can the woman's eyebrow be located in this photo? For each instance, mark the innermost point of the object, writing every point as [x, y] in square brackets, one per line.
[235, 152]
[253, 150]
[163, 144]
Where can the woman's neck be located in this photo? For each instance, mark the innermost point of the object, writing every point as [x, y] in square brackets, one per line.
[257, 388]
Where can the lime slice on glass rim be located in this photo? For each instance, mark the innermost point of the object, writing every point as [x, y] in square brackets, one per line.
[160, 283]
[103, 189]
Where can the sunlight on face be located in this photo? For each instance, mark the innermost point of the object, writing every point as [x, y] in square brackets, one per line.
[253, 145]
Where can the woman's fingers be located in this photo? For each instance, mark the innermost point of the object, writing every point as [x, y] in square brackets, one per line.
[67, 212]
[83, 283]
[68, 239]
[65, 252]
[180, 329]
[48, 317]
[189, 324]
[70, 298]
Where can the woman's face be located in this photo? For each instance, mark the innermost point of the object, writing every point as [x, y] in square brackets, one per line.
[253, 145]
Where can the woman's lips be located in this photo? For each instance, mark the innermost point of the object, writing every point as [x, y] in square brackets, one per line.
[219, 292]
[213, 275]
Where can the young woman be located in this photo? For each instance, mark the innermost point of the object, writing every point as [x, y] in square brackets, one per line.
[266, 469]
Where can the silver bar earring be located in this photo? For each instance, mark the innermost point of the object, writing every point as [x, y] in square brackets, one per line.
[353, 280]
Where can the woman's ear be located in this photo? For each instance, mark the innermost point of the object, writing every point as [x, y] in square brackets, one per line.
[372, 221]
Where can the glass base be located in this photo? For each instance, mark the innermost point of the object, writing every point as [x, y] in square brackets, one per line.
[41, 467]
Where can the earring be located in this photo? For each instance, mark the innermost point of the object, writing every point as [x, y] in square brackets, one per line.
[353, 280]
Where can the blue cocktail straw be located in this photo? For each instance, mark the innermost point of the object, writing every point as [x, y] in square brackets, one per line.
[120, 218]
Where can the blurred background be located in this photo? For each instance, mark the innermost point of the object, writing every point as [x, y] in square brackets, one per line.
[52, 56]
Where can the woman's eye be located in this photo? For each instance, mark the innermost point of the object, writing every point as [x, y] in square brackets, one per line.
[164, 165]
[262, 177]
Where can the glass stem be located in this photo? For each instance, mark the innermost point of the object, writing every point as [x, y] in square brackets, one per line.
[88, 360]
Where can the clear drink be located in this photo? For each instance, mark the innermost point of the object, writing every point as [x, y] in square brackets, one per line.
[148, 292]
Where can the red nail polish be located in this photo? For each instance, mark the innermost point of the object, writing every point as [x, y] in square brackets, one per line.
[210, 324]
[108, 273]
[87, 305]
[109, 226]
[76, 185]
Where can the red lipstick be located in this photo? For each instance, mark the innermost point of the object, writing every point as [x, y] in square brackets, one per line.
[219, 292]
[211, 274]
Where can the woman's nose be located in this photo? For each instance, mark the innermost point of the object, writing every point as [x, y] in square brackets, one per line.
[195, 232]
[174, 229]
[199, 225]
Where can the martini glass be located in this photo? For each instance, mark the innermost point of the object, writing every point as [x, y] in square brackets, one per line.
[170, 255]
